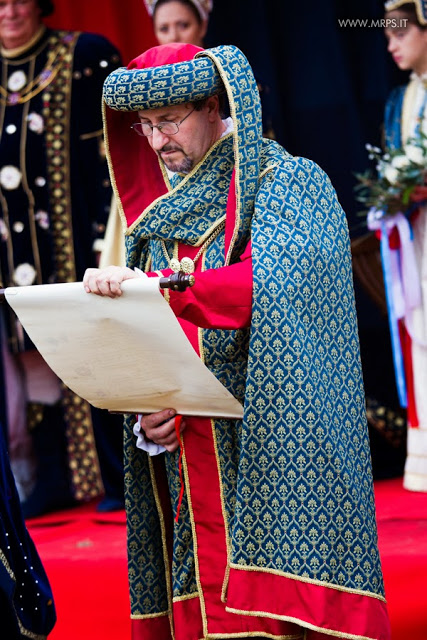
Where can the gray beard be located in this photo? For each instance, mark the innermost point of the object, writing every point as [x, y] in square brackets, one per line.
[184, 166]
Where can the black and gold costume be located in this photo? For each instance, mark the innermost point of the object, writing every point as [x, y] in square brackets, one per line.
[54, 202]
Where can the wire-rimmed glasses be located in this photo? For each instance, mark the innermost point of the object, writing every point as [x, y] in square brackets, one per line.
[167, 128]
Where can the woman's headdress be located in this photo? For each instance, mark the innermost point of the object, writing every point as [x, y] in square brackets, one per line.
[204, 7]
[420, 6]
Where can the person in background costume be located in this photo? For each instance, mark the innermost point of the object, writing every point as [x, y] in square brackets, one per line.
[406, 119]
[26, 601]
[54, 201]
[180, 20]
[270, 528]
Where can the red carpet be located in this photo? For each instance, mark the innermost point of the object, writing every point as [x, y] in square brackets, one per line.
[402, 532]
[84, 554]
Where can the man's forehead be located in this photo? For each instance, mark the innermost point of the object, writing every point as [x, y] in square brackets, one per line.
[169, 111]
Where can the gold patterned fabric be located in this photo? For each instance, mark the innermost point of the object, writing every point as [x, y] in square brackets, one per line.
[279, 508]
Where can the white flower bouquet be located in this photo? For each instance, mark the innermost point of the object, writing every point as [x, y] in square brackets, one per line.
[400, 180]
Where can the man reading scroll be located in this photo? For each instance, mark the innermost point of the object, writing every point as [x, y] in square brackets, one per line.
[261, 527]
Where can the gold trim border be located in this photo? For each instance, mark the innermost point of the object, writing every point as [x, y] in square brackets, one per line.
[148, 616]
[168, 573]
[119, 203]
[267, 170]
[190, 596]
[236, 149]
[195, 545]
[256, 634]
[317, 583]
[302, 623]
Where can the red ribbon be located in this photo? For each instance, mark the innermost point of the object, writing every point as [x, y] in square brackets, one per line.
[178, 420]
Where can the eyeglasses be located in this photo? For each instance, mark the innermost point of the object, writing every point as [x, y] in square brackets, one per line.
[168, 128]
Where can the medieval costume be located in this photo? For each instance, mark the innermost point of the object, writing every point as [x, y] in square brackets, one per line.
[26, 602]
[405, 119]
[54, 202]
[274, 534]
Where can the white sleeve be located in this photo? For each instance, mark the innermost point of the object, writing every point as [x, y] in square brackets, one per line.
[151, 448]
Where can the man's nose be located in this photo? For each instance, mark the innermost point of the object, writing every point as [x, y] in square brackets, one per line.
[158, 139]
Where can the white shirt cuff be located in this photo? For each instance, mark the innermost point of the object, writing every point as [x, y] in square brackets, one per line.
[151, 448]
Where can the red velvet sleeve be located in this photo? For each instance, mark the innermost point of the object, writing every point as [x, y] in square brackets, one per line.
[220, 299]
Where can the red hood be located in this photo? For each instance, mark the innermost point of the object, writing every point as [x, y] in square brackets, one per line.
[164, 54]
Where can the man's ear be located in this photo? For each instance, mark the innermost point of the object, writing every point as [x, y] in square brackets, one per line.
[213, 106]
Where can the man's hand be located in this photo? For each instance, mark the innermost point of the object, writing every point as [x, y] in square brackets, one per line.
[107, 281]
[160, 428]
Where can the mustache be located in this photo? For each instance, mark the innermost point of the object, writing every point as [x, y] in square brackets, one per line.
[170, 147]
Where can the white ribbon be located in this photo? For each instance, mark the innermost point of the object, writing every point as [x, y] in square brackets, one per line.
[406, 286]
